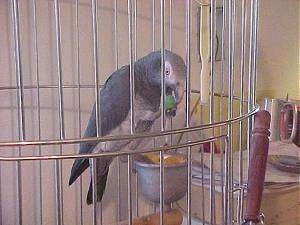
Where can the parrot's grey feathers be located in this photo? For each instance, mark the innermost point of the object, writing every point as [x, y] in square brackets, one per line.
[114, 100]
[102, 168]
[115, 106]
[101, 184]
[79, 166]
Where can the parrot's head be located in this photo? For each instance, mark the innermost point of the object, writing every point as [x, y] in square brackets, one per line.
[175, 75]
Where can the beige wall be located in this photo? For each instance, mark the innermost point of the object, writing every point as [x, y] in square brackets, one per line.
[278, 59]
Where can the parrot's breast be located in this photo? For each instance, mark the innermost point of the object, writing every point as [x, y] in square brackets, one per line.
[142, 112]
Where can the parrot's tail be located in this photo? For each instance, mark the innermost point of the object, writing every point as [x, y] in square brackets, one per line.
[101, 184]
[79, 166]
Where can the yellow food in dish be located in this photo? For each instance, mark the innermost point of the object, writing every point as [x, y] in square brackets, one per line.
[168, 159]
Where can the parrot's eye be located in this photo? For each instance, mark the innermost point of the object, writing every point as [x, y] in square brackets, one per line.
[167, 72]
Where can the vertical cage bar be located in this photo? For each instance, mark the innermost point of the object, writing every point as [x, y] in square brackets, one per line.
[230, 108]
[226, 210]
[135, 57]
[233, 77]
[231, 96]
[153, 48]
[224, 70]
[96, 63]
[59, 213]
[189, 194]
[252, 67]
[161, 187]
[170, 25]
[116, 33]
[20, 100]
[223, 35]
[250, 78]
[222, 180]
[95, 23]
[19, 191]
[58, 165]
[241, 108]
[131, 67]
[77, 43]
[36, 56]
[116, 55]
[59, 69]
[129, 187]
[211, 108]
[162, 43]
[188, 99]
[202, 187]
[132, 103]
[249, 97]
[18, 68]
[119, 190]
[135, 29]
[255, 29]
[163, 94]
[153, 25]
[170, 47]
[221, 105]
[93, 165]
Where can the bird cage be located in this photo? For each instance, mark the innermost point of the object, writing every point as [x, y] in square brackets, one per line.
[55, 57]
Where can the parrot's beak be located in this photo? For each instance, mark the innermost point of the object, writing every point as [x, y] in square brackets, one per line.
[171, 112]
[177, 94]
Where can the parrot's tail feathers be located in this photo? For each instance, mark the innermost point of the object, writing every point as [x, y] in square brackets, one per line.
[79, 166]
[101, 184]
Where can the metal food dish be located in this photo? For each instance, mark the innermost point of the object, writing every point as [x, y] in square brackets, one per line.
[175, 180]
[285, 163]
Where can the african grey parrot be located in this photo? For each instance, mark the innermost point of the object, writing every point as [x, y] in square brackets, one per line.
[115, 109]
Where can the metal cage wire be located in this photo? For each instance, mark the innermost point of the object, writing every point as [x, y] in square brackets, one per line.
[229, 110]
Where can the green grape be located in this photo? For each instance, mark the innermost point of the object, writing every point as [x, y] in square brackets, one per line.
[170, 102]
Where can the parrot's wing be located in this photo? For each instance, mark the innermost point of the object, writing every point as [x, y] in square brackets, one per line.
[114, 108]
